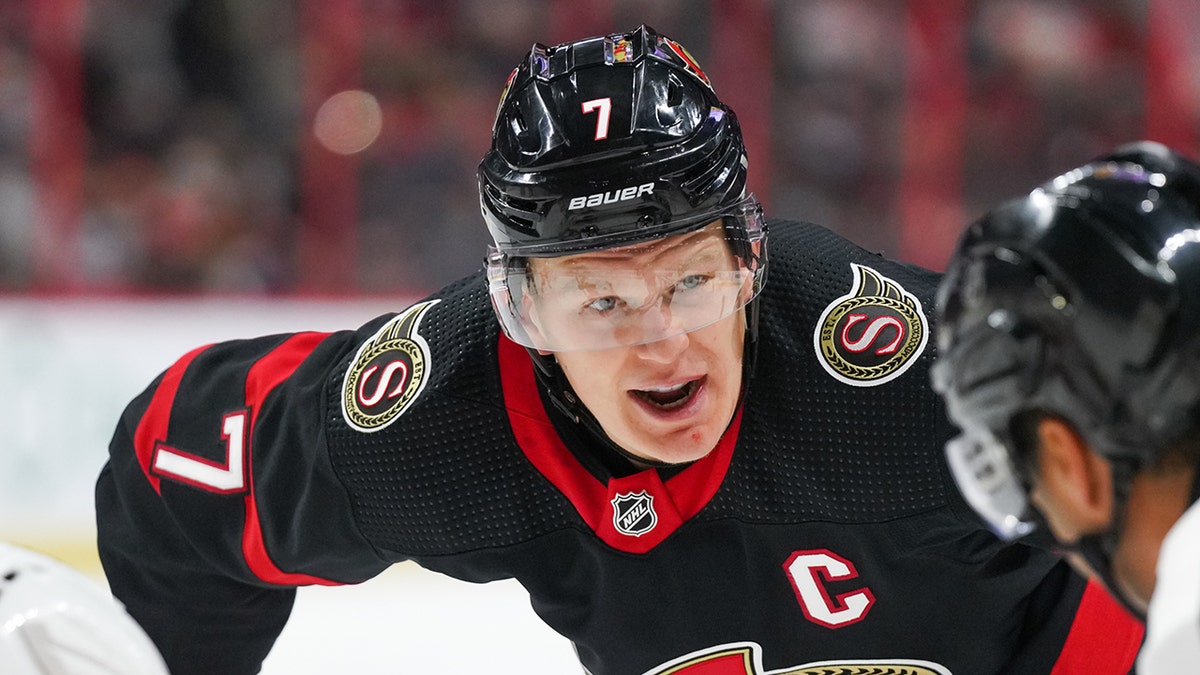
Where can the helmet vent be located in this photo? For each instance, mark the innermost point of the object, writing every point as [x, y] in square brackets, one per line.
[674, 91]
[520, 205]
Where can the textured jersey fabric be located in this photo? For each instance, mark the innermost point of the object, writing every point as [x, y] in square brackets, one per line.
[822, 531]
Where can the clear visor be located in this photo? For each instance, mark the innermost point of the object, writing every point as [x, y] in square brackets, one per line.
[990, 483]
[633, 294]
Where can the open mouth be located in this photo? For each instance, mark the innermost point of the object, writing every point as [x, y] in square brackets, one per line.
[669, 398]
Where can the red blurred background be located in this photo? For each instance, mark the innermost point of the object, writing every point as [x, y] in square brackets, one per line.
[209, 146]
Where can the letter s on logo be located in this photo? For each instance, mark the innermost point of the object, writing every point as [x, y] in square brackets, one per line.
[871, 333]
[384, 380]
[804, 567]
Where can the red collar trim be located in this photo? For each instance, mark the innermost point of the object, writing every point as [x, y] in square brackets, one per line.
[645, 519]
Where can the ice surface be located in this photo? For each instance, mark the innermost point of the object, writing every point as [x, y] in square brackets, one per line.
[409, 620]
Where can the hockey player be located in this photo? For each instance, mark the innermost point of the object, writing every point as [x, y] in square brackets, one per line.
[1070, 356]
[689, 469]
[56, 621]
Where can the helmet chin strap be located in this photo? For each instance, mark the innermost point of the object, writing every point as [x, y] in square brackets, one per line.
[1098, 551]
[550, 375]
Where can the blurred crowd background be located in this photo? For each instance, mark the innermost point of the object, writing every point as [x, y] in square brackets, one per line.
[328, 147]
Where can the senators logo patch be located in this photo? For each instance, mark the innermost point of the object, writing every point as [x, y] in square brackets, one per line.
[388, 372]
[745, 659]
[873, 334]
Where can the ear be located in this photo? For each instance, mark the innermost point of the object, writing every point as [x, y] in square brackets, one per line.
[1076, 479]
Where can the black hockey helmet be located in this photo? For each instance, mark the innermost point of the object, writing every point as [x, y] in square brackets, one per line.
[616, 137]
[1080, 300]
[608, 142]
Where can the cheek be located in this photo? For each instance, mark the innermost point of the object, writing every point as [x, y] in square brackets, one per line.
[591, 375]
[547, 320]
[723, 344]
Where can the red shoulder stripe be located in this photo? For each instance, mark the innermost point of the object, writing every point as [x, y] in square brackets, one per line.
[152, 428]
[266, 374]
[1104, 638]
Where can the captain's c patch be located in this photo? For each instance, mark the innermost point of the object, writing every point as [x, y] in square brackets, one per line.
[388, 372]
[872, 334]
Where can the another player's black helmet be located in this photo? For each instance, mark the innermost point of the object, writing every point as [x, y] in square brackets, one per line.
[1081, 300]
[608, 142]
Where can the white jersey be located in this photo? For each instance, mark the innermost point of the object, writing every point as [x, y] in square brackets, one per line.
[1173, 624]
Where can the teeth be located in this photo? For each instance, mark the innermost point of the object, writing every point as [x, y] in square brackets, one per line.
[667, 398]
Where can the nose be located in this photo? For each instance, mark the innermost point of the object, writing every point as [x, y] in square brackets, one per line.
[666, 350]
[659, 325]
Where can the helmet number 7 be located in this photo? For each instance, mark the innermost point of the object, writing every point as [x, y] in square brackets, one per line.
[603, 107]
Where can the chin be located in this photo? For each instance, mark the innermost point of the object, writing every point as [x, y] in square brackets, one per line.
[682, 451]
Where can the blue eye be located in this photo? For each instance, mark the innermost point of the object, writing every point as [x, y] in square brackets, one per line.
[604, 304]
[692, 281]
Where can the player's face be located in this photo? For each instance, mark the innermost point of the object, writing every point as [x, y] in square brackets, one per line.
[1135, 558]
[669, 399]
[1065, 523]
[1073, 488]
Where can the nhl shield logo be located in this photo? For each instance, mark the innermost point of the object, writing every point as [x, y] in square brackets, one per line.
[633, 513]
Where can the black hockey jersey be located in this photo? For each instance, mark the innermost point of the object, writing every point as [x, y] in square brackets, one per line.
[822, 534]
